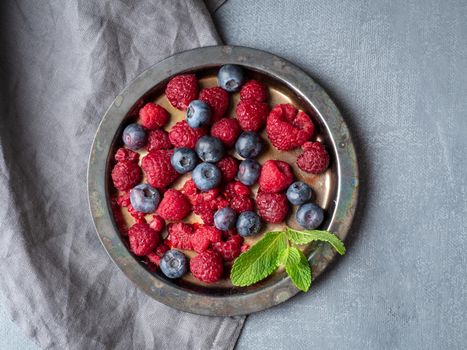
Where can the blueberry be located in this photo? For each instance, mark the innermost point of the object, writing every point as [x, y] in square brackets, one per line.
[299, 193]
[230, 77]
[249, 144]
[198, 114]
[206, 176]
[183, 160]
[248, 171]
[309, 216]
[248, 224]
[209, 149]
[134, 136]
[225, 219]
[174, 264]
[144, 198]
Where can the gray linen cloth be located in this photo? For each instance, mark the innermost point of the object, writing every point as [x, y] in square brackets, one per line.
[62, 63]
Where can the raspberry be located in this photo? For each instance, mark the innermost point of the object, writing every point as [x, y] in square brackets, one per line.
[252, 114]
[153, 116]
[155, 257]
[218, 99]
[244, 247]
[174, 205]
[236, 188]
[137, 215]
[288, 128]
[207, 208]
[181, 135]
[254, 90]
[242, 203]
[230, 249]
[181, 90]
[158, 169]
[275, 176]
[207, 266]
[203, 237]
[125, 175]
[158, 139]
[226, 130]
[142, 239]
[124, 199]
[228, 167]
[314, 159]
[272, 207]
[123, 154]
[180, 235]
[157, 223]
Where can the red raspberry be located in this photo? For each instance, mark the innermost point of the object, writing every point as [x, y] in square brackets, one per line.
[288, 127]
[157, 254]
[124, 199]
[226, 130]
[158, 139]
[272, 207]
[157, 223]
[244, 247]
[314, 159]
[242, 203]
[181, 135]
[180, 235]
[142, 239]
[159, 171]
[254, 90]
[123, 154]
[181, 90]
[125, 175]
[203, 237]
[252, 114]
[229, 249]
[236, 188]
[275, 176]
[153, 116]
[207, 266]
[228, 167]
[207, 208]
[218, 99]
[174, 205]
[137, 215]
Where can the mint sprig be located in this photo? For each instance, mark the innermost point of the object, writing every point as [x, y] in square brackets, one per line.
[278, 248]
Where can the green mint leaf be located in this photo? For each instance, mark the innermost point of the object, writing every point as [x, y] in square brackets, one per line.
[283, 256]
[298, 268]
[260, 260]
[307, 236]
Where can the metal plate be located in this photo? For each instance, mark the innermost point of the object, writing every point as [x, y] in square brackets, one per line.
[336, 190]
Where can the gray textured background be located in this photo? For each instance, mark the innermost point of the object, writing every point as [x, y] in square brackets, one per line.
[398, 71]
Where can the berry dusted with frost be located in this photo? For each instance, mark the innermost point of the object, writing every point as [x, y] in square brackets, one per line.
[314, 159]
[206, 176]
[230, 77]
[181, 90]
[174, 264]
[275, 176]
[309, 216]
[272, 207]
[288, 128]
[226, 130]
[207, 266]
[174, 205]
[218, 99]
[153, 116]
[249, 144]
[134, 136]
[248, 224]
[181, 135]
[209, 149]
[142, 239]
[198, 114]
[299, 193]
[254, 90]
[144, 198]
[183, 160]
[248, 171]
[225, 219]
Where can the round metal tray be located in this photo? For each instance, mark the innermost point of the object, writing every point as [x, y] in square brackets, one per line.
[336, 189]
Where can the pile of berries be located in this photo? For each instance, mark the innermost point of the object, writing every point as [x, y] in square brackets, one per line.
[221, 155]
